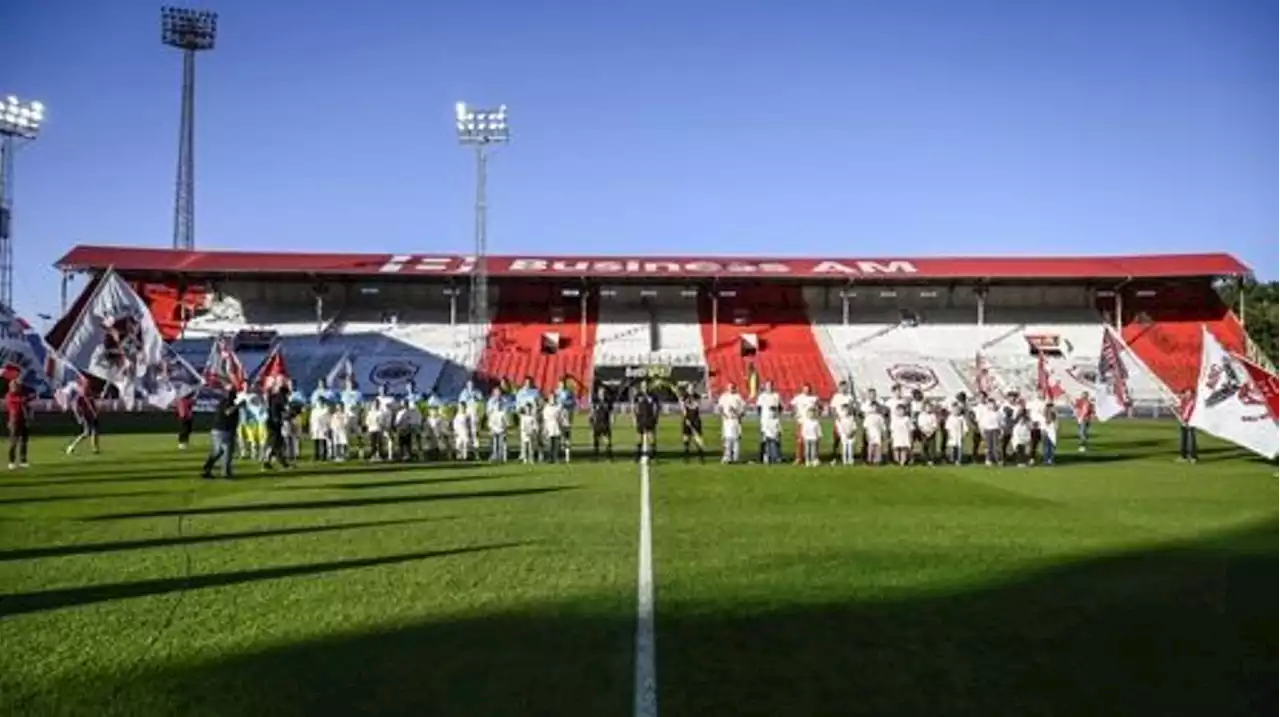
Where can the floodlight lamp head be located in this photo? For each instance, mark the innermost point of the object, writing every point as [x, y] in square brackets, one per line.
[481, 126]
[188, 29]
[20, 119]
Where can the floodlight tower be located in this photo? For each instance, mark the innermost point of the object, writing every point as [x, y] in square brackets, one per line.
[19, 122]
[190, 31]
[481, 129]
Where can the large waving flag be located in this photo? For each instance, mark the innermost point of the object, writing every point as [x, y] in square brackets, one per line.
[272, 367]
[1112, 389]
[174, 379]
[1267, 384]
[116, 339]
[1229, 404]
[222, 369]
[1047, 387]
[27, 358]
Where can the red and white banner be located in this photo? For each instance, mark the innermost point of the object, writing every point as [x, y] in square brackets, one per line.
[271, 368]
[1112, 385]
[1047, 386]
[116, 339]
[1229, 405]
[1267, 384]
[222, 369]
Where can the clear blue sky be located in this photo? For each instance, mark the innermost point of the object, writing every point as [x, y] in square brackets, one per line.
[844, 127]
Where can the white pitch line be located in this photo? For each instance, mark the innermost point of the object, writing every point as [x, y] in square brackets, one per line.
[646, 704]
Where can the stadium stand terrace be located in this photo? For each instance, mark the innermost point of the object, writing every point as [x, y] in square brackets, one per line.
[704, 321]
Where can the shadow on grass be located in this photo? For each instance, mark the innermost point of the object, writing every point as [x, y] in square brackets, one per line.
[365, 485]
[326, 504]
[90, 496]
[55, 551]
[22, 603]
[88, 475]
[1188, 629]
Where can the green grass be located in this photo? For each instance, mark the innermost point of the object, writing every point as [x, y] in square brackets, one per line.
[1117, 583]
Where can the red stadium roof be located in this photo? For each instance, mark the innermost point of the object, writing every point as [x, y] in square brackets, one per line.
[167, 261]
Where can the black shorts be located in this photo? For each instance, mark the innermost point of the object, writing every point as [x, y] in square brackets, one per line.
[646, 426]
[692, 428]
[603, 429]
[88, 424]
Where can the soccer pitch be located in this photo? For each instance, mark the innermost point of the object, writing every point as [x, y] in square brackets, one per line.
[1117, 583]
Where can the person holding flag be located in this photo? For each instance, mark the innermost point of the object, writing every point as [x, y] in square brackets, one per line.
[85, 410]
[1228, 403]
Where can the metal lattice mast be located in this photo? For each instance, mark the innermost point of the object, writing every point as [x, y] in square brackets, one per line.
[190, 31]
[19, 121]
[480, 130]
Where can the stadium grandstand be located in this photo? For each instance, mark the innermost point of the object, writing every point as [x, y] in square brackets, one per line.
[921, 323]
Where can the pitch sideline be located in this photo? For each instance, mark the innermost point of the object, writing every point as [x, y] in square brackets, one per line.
[646, 687]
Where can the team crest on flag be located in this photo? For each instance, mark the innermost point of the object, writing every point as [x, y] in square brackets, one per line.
[116, 339]
[1229, 404]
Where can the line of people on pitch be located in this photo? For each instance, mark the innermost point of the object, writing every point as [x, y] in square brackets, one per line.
[344, 425]
[898, 429]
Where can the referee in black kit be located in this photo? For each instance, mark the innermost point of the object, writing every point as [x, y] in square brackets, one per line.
[602, 423]
[645, 413]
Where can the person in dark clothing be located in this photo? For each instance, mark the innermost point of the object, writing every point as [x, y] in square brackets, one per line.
[1187, 433]
[185, 407]
[602, 423]
[226, 419]
[277, 413]
[645, 412]
[691, 428]
[18, 405]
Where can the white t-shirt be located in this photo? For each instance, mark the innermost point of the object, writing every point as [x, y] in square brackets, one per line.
[927, 422]
[1021, 433]
[528, 425]
[802, 403]
[338, 427]
[868, 406]
[840, 400]
[989, 419]
[956, 426]
[873, 425]
[731, 406]
[731, 429]
[498, 421]
[900, 431]
[461, 424]
[846, 426]
[551, 420]
[768, 399]
[810, 429]
[770, 427]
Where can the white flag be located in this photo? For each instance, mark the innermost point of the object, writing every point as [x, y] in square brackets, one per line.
[1229, 405]
[1112, 387]
[116, 339]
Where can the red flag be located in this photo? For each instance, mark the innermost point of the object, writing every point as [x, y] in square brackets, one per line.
[223, 368]
[1267, 384]
[1045, 385]
[273, 366]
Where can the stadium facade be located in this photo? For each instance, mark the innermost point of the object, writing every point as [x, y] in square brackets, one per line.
[922, 323]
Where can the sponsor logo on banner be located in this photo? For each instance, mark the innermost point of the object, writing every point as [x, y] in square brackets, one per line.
[1223, 381]
[656, 371]
[402, 263]
[913, 376]
[393, 372]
